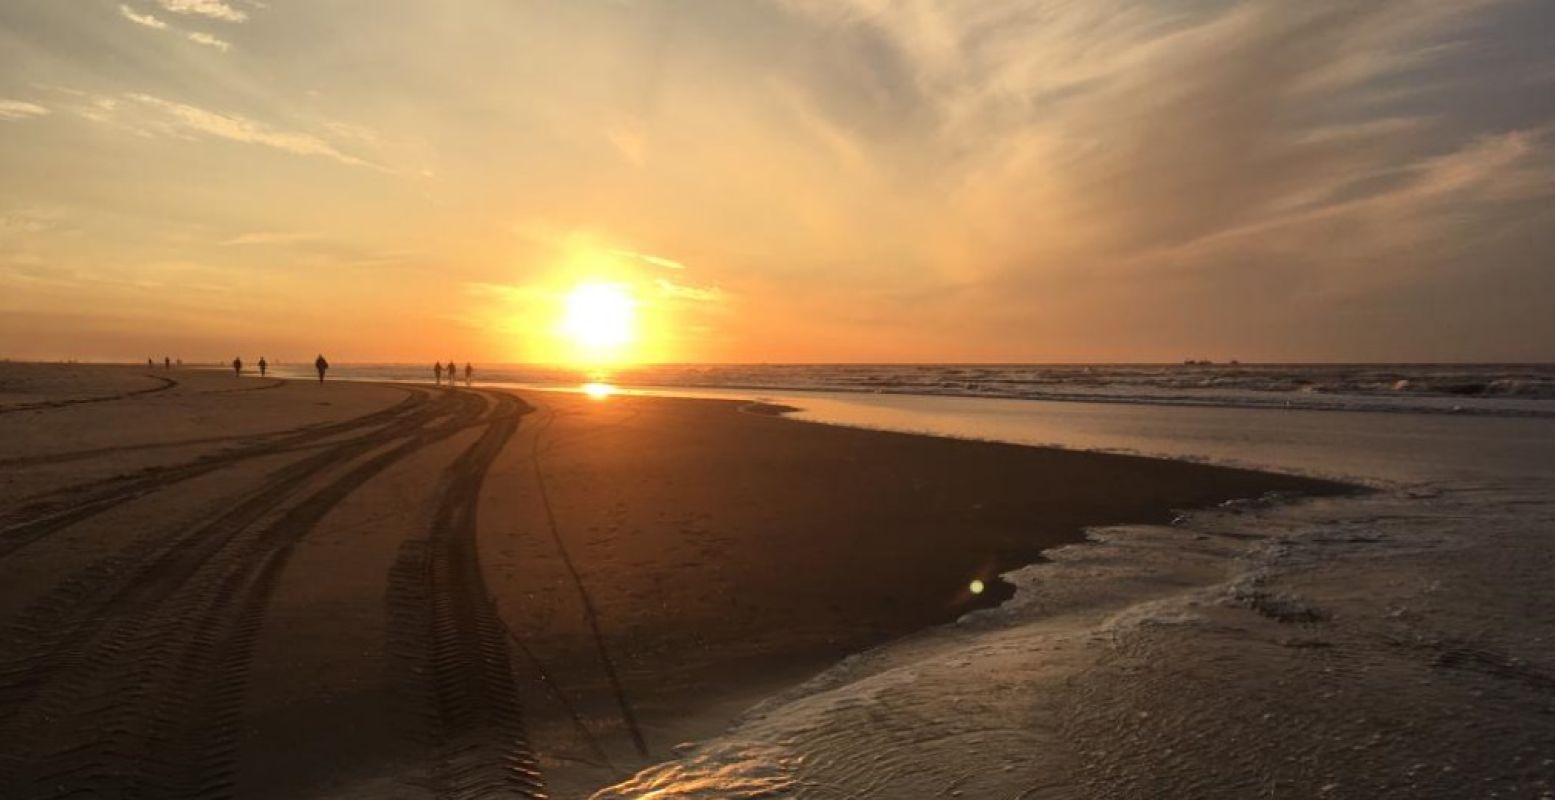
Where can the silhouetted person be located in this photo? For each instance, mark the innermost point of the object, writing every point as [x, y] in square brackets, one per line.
[167, 362]
[437, 373]
[237, 366]
[320, 364]
[468, 371]
[263, 365]
[148, 363]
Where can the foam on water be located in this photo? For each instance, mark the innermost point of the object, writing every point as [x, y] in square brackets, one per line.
[1345, 648]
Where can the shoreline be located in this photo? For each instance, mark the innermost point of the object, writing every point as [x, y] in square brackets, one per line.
[674, 552]
[857, 627]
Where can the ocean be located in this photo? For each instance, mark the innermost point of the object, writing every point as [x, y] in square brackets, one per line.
[1494, 389]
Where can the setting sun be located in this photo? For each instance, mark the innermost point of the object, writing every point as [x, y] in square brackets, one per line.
[600, 318]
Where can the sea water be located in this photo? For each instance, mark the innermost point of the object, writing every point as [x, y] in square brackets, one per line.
[1504, 389]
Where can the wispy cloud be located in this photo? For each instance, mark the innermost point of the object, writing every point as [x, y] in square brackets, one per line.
[21, 221]
[179, 119]
[215, 9]
[155, 23]
[657, 261]
[273, 238]
[200, 37]
[20, 109]
[138, 18]
[702, 294]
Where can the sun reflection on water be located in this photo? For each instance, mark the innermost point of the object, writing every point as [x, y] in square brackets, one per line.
[599, 390]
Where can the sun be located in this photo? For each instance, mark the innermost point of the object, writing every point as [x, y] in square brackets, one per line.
[600, 318]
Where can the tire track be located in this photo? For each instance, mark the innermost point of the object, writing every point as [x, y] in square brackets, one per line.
[166, 383]
[451, 649]
[131, 674]
[590, 613]
[58, 509]
[412, 396]
[274, 383]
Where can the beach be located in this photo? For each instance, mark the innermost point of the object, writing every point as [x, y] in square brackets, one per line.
[1394, 643]
[276, 588]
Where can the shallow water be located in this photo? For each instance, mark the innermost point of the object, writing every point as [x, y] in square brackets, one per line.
[1400, 643]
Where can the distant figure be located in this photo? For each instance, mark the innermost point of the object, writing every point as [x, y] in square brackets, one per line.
[263, 365]
[148, 363]
[167, 362]
[237, 366]
[437, 373]
[468, 371]
[320, 364]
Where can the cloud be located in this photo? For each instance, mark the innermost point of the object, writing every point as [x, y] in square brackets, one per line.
[171, 118]
[208, 40]
[24, 221]
[147, 20]
[1066, 157]
[215, 9]
[20, 109]
[657, 261]
[198, 37]
[1442, 203]
[708, 294]
[273, 238]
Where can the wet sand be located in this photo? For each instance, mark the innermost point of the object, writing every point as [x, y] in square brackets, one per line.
[256, 588]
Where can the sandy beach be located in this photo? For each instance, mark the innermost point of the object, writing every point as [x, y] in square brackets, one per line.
[269, 588]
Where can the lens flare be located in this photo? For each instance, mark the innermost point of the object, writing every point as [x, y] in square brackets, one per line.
[976, 586]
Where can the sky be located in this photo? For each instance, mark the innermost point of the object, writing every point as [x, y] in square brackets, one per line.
[780, 180]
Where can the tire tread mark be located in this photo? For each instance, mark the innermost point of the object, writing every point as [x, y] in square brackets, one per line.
[164, 385]
[449, 647]
[62, 508]
[145, 691]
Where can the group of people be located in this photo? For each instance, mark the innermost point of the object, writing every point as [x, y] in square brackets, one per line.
[453, 373]
[167, 362]
[319, 364]
[322, 366]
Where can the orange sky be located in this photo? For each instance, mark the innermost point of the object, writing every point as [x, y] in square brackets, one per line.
[783, 180]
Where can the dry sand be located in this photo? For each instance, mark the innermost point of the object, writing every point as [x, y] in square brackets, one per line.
[213, 586]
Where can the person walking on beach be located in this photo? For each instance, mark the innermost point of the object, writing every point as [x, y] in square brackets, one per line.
[468, 371]
[320, 364]
[437, 373]
[148, 363]
[167, 362]
[237, 366]
[262, 366]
